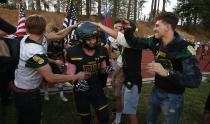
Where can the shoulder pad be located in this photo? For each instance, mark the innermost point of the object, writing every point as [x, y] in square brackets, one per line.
[74, 54]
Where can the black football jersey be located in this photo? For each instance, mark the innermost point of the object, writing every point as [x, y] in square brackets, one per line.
[84, 62]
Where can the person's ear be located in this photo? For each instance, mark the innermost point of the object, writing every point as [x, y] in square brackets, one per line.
[169, 27]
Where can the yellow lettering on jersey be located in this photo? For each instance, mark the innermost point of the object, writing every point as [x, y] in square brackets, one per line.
[93, 68]
[93, 62]
[102, 57]
[96, 59]
[192, 50]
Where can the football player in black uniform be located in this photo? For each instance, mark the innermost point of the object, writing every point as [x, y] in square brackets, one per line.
[91, 57]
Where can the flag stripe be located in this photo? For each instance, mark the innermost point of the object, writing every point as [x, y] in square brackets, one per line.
[70, 19]
[22, 22]
[21, 25]
[21, 29]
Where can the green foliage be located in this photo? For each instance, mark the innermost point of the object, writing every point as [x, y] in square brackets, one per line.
[8, 6]
[193, 12]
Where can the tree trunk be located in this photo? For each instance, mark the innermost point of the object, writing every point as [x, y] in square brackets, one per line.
[129, 7]
[99, 7]
[195, 19]
[90, 4]
[135, 10]
[88, 8]
[154, 10]
[158, 6]
[38, 7]
[81, 5]
[78, 6]
[164, 4]
[46, 5]
[58, 6]
[15, 3]
[151, 11]
[138, 12]
[32, 5]
[115, 9]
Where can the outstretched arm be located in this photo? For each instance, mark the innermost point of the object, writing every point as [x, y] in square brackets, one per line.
[46, 72]
[61, 34]
[116, 35]
[104, 28]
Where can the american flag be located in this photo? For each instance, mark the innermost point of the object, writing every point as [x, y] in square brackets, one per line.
[21, 29]
[70, 19]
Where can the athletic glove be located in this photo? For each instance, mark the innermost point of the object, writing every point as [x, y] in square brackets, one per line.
[82, 85]
[108, 70]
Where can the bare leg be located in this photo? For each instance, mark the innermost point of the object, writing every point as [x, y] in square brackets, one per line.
[96, 121]
[132, 119]
[118, 110]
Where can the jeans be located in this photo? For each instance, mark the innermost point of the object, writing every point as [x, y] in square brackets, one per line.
[171, 106]
[28, 107]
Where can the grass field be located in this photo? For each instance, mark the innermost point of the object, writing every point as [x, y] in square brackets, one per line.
[57, 112]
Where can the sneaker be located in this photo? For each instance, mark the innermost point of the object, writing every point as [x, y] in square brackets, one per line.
[46, 97]
[63, 98]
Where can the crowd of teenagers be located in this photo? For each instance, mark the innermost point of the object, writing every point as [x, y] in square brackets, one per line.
[38, 57]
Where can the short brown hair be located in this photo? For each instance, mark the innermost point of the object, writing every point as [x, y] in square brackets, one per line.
[169, 18]
[35, 24]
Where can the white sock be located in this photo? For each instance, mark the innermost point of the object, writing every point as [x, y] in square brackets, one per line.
[118, 117]
[61, 93]
[46, 92]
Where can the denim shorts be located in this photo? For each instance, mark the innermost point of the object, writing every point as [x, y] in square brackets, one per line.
[130, 99]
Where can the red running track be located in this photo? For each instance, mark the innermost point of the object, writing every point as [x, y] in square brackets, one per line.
[148, 57]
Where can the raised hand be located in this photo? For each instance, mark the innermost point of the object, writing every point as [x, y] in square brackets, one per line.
[126, 23]
[76, 25]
